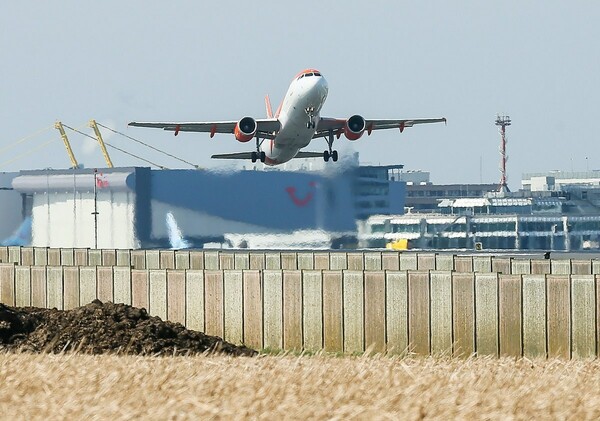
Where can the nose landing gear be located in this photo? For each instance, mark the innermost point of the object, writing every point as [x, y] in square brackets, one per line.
[310, 112]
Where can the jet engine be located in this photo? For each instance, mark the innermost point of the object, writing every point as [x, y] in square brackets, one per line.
[245, 129]
[355, 127]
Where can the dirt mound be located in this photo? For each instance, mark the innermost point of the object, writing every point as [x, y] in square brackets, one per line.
[102, 328]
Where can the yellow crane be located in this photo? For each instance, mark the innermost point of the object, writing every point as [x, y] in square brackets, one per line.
[94, 126]
[58, 125]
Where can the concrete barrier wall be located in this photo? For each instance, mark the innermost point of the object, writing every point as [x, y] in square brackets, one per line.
[289, 260]
[352, 311]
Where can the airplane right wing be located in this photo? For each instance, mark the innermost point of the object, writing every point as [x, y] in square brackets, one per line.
[336, 125]
[265, 127]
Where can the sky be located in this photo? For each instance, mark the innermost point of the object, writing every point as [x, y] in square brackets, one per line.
[120, 61]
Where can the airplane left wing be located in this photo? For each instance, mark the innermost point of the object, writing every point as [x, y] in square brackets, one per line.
[265, 126]
[325, 125]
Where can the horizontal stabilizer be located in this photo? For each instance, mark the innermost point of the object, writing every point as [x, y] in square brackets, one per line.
[303, 154]
[236, 155]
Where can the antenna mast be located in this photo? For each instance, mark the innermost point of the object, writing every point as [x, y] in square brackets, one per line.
[502, 121]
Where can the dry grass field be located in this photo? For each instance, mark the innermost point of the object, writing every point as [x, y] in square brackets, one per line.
[288, 387]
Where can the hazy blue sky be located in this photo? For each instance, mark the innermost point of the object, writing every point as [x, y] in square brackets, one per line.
[118, 61]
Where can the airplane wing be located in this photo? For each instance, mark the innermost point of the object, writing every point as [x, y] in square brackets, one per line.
[337, 124]
[248, 155]
[265, 126]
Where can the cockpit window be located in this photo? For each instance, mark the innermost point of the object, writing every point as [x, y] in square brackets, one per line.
[317, 74]
[309, 74]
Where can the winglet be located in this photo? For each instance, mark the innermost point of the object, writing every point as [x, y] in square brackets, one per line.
[268, 106]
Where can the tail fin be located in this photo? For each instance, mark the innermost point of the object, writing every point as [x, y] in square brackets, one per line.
[268, 106]
[176, 239]
[22, 236]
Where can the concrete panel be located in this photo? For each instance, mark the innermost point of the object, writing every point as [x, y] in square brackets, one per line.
[333, 328]
[372, 261]
[109, 257]
[182, 259]
[375, 311]
[486, 313]
[22, 286]
[253, 315]
[105, 283]
[396, 312]
[226, 261]
[197, 260]
[354, 328]
[54, 287]
[273, 261]
[242, 261]
[138, 259]
[167, 259]
[390, 261]
[558, 310]
[140, 288]
[312, 309]
[71, 287]
[426, 261]
[463, 264]
[356, 261]
[233, 306]
[40, 256]
[583, 316]
[581, 267]
[482, 264]
[67, 257]
[338, 261]
[441, 313]
[88, 290]
[176, 296]
[534, 316]
[53, 256]
[306, 260]
[501, 265]
[463, 311]
[213, 303]
[80, 257]
[95, 257]
[540, 267]
[14, 254]
[3, 254]
[511, 324]
[561, 267]
[257, 261]
[292, 309]
[122, 284]
[521, 266]
[444, 261]
[273, 309]
[7, 284]
[596, 267]
[322, 261]
[418, 312]
[27, 257]
[408, 261]
[158, 293]
[152, 259]
[289, 261]
[194, 299]
[124, 258]
[38, 286]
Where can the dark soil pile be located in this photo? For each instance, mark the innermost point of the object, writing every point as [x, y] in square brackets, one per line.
[104, 328]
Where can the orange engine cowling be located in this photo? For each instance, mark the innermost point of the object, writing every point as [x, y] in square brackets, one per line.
[355, 127]
[245, 129]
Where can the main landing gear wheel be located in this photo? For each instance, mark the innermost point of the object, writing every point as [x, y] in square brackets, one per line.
[258, 156]
[333, 155]
[326, 156]
[263, 156]
[254, 157]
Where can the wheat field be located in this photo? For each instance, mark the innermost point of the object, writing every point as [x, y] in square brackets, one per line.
[72, 386]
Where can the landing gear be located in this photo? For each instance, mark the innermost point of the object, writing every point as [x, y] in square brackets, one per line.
[310, 112]
[330, 153]
[258, 155]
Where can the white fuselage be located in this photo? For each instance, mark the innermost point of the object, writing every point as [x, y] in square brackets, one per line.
[301, 106]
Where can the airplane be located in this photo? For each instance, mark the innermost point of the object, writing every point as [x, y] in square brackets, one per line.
[282, 136]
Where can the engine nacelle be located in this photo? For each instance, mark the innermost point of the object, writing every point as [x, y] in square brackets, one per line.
[245, 129]
[355, 127]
